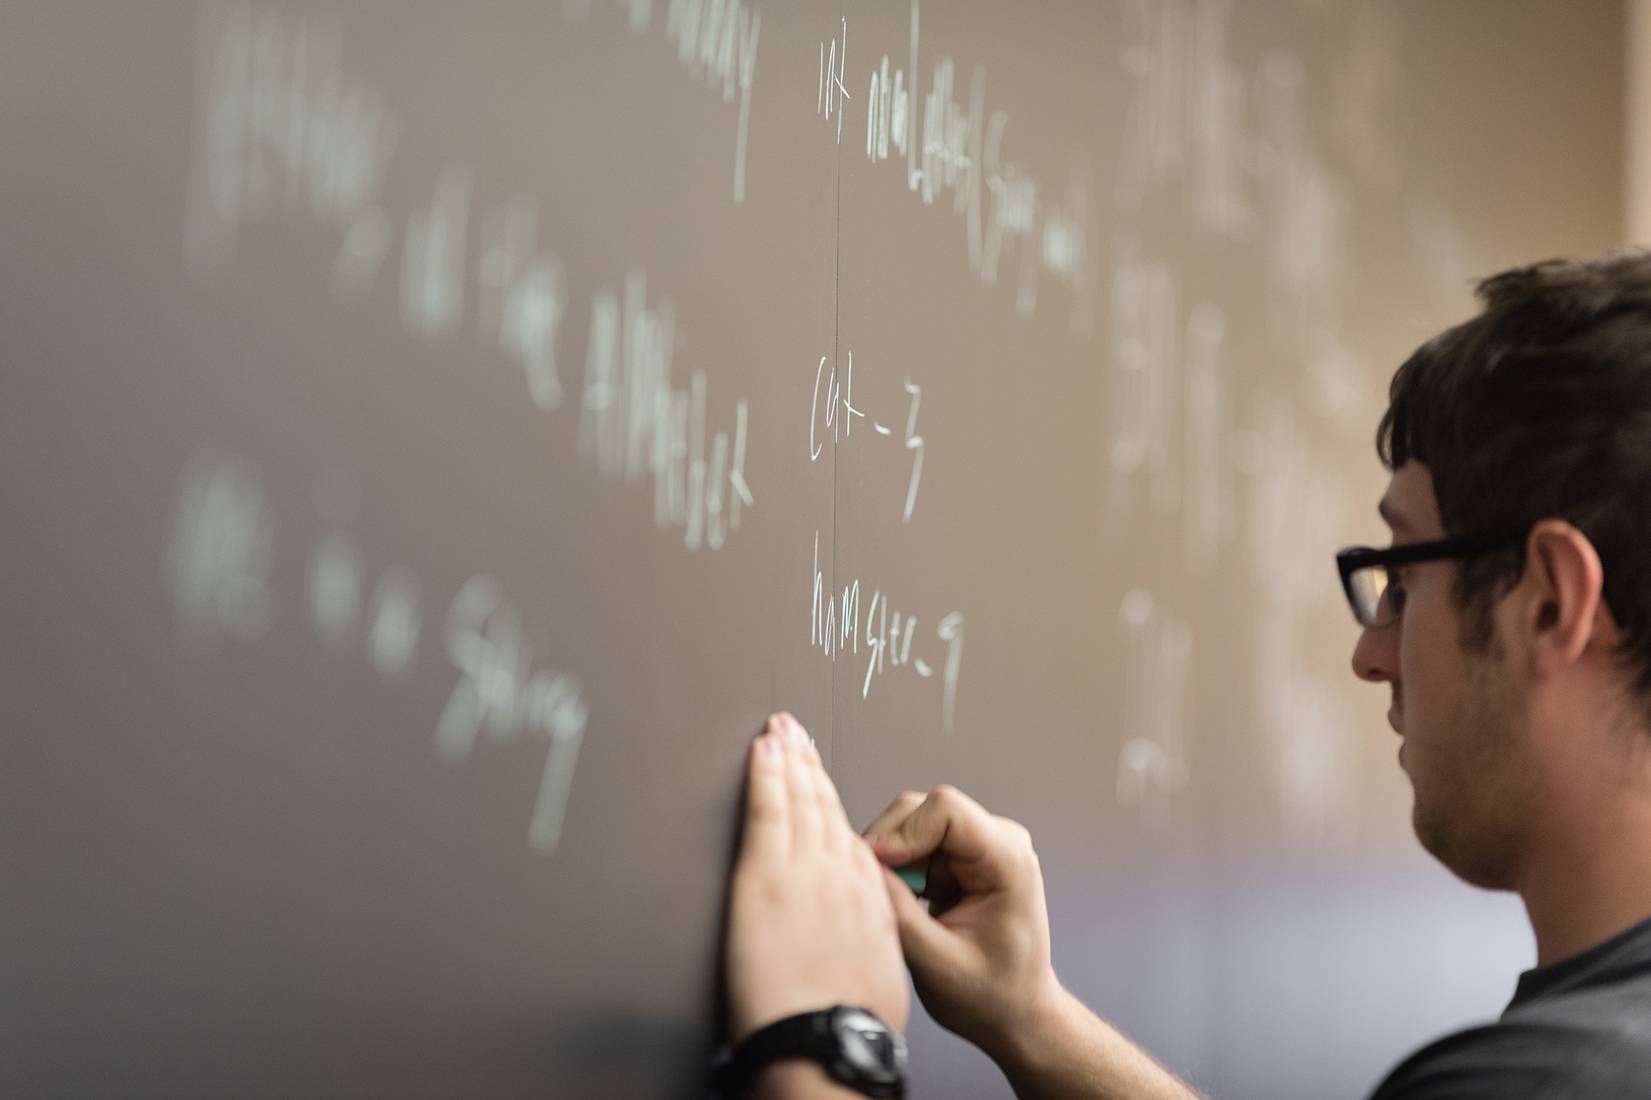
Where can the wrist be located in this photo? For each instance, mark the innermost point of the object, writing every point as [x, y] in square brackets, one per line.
[1049, 1023]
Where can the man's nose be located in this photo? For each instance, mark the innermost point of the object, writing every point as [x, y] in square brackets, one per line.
[1374, 654]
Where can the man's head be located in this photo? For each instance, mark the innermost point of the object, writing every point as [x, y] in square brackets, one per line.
[1534, 416]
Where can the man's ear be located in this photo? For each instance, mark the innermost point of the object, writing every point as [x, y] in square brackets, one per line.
[1558, 600]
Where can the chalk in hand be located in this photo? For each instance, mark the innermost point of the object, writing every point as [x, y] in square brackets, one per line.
[912, 877]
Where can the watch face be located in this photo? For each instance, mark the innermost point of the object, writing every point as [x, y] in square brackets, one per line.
[868, 1048]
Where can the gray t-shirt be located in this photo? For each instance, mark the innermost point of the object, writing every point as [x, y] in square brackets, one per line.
[1577, 1029]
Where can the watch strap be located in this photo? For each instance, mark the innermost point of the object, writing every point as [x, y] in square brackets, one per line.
[807, 1035]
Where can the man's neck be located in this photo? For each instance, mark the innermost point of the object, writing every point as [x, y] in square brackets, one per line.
[1588, 882]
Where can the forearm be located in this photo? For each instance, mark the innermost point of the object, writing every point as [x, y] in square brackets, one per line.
[797, 1080]
[1069, 1053]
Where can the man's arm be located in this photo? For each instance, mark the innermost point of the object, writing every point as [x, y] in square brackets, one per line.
[980, 955]
[814, 922]
[1070, 1053]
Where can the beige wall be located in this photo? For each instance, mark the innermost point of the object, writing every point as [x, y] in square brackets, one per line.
[1637, 125]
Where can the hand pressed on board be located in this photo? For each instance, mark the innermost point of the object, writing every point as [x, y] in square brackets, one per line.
[980, 954]
[810, 922]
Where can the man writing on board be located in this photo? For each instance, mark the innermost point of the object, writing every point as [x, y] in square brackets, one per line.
[1511, 621]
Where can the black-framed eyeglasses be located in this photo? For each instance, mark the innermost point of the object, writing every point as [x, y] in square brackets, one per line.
[1367, 575]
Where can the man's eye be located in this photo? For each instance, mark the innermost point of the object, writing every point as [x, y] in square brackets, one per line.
[1395, 591]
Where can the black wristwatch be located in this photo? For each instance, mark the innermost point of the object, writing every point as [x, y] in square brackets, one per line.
[857, 1050]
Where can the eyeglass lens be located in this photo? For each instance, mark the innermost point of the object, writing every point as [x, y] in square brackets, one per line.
[1369, 595]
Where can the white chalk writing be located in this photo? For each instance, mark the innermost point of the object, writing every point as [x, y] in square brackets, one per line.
[840, 622]
[1153, 764]
[223, 546]
[502, 689]
[280, 128]
[831, 94]
[957, 148]
[218, 565]
[634, 423]
[832, 413]
[717, 39]
[468, 263]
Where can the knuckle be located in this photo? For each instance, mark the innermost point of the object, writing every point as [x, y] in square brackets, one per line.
[1017, 840]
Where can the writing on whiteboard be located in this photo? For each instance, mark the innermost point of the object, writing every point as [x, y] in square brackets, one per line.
[282, 130]
[1167, 399]
[1185, 114]
[220, 564]
[635, 423]
[716, 41]
[1153, 763]
[830, 95]
[840, 623]
[503, 690]
[832, 413]
[510, 289]
[222, 550]
[279, 127]
[350, 606]
[469, 265]
[955, 147]
[1232, 145]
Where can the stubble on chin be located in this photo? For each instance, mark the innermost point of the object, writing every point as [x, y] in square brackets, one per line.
[1473, 809]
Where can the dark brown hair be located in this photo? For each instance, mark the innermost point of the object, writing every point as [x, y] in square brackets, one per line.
[1541, 407]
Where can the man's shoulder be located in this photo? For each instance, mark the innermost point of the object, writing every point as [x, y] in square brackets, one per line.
[1589, 1044]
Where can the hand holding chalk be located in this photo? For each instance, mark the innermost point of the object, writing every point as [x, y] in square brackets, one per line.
[979, 955]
